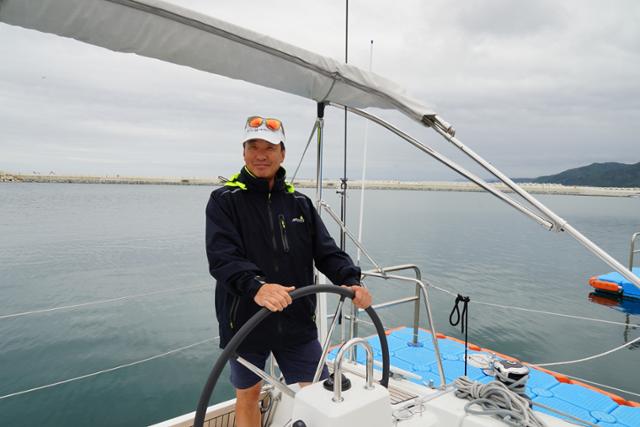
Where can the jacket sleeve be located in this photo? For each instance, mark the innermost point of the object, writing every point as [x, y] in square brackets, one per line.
[225, 251]
[329, 258]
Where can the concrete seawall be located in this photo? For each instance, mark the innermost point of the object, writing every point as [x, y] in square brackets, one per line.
[382, 185]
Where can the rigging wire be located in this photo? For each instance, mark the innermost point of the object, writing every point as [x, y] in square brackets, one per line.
[585, 359]
[531, 310]
[313, 131]
[104, 301]
[104, 371]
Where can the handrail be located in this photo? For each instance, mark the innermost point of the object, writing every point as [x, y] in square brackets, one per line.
[632, 250]
[337, 374]
[416, 310]
[421, 287]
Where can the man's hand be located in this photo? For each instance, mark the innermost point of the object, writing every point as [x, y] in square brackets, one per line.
[362, 299]
[273, 296]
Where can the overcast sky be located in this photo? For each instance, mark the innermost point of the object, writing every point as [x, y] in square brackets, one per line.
[535, 87]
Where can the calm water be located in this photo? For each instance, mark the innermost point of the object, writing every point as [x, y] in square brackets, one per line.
[66, 244]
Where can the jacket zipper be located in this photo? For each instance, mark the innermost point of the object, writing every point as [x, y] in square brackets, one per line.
[273, 232]
[233, 312]
[283, 233]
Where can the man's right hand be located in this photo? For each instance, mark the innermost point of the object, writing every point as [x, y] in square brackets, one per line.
[273, 296]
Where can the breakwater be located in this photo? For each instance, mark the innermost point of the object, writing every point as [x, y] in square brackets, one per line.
[305, 183]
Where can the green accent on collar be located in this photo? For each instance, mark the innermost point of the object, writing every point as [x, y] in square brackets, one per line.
[289, 188]
[233, 182]
[248, 171]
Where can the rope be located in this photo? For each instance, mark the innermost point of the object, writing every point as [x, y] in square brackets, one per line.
[569, 362]
[571, 419]
[463, 320]
[604, 385]
[529, 310]
[104, 301]
[104, 371]
[495, 398]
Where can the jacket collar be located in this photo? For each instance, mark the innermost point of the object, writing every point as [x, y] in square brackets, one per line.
[261, 185]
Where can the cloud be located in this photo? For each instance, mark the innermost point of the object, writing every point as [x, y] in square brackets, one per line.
[536, 87]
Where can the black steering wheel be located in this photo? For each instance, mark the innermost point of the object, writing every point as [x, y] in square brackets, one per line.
[232, 346]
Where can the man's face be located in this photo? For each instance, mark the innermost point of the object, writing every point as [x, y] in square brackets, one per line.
[262, 158]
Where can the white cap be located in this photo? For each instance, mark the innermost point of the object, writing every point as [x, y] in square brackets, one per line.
[263, 132]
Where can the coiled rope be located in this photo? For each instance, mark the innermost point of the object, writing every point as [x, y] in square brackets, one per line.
[496, 399]
[104, 371]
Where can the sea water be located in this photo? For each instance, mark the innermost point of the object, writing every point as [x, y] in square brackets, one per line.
[129, 263]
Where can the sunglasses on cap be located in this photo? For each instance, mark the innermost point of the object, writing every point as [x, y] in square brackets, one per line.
[257, 121]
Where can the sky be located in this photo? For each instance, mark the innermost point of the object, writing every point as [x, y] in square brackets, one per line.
[534, 87]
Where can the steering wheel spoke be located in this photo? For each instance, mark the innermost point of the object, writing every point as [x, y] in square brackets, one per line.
[266, 377]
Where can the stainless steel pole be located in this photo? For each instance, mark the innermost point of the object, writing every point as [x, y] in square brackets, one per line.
[451, 164]
[343, 180]
[560, 224]
[320, 136]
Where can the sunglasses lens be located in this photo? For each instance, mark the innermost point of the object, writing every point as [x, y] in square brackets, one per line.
[254, 122]
[273, 124]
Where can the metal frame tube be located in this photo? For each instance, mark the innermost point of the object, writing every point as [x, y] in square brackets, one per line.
[320, 137]
[452, 165]
[554, 221]
[427, 304]
[322, 298]
[343, 227]
[271, 380]
[325, 345]
[337, 371]
[632, 250]
[560, 224]
[416, 308]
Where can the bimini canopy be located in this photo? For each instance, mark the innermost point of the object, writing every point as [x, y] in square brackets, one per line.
[161, 30]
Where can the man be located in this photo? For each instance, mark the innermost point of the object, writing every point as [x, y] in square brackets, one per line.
[262, 240]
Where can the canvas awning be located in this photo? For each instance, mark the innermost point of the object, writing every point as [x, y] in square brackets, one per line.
[161, 30]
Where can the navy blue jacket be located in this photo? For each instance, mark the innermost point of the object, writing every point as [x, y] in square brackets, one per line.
[255, 235]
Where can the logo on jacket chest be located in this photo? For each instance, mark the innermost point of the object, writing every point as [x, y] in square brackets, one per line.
[299, 219]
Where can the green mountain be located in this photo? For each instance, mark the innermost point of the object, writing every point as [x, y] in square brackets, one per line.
[596, 175]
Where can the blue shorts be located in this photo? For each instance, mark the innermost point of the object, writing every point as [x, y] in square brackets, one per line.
[297, 364]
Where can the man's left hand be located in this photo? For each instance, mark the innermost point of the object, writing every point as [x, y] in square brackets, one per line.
[362, 298]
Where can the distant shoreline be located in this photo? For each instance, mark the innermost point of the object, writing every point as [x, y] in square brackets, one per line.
[378, 185]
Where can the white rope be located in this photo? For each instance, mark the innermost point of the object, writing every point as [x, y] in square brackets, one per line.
[104, 371]
[604, 385]
[529, 310]
[568, 417]
[568, 362]
[495, 398]
[104, 301]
